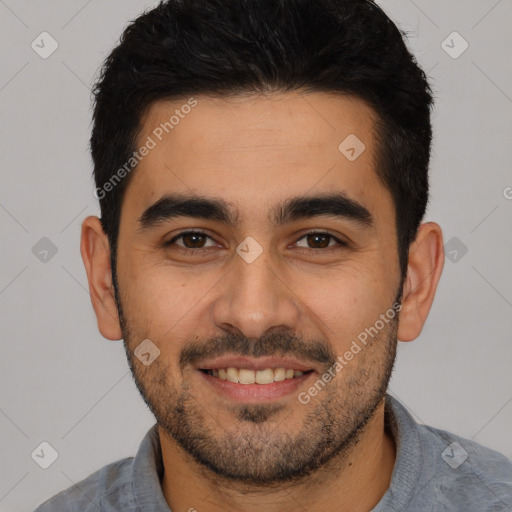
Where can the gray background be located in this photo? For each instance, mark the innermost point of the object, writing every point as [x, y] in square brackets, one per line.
[62, 383]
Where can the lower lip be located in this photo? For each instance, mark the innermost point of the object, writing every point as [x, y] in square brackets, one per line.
[255, 392]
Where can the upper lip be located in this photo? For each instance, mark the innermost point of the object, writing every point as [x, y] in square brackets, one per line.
[251, 363]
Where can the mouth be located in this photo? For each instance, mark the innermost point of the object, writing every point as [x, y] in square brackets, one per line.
[247, 376]
[254, 380]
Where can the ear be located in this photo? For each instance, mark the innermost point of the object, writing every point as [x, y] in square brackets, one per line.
[425, 265]
[95, 251]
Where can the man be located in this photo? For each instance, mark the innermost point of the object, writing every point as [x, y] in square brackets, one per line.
[262, 171]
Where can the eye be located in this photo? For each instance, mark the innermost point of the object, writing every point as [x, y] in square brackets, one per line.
[320, 240]
[191, 240]
[196, 241]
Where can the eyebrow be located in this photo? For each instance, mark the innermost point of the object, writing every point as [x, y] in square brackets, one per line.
[337, 205]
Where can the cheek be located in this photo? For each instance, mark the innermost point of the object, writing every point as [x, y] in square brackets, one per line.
[162, 301]
[168, 301]
[342, 303]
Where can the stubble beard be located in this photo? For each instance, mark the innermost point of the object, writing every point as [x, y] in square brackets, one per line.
[258, 450]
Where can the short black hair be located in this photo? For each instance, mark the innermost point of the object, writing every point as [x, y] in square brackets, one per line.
[217, 47]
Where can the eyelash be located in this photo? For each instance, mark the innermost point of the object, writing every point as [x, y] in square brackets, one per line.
[186, 250]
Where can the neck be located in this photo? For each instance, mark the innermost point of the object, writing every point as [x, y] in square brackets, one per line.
[355, 480]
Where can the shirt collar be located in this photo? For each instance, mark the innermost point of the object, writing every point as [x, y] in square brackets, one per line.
[406, 471]
[148, 470]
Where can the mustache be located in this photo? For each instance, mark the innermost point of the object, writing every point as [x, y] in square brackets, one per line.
[274, 344]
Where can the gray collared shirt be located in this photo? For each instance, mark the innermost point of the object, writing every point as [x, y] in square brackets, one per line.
[435, 471]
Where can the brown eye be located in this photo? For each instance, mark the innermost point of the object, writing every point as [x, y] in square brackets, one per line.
[190, 240]
[193, 240]
[320, 240]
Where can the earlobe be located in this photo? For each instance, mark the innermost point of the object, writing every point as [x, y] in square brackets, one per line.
[425, 265]
[95, 251]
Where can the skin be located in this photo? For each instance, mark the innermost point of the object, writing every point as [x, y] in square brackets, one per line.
[244, 150]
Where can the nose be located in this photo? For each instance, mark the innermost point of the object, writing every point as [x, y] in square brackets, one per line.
[255, 299]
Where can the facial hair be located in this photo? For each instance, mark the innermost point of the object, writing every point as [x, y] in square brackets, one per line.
[256, 451]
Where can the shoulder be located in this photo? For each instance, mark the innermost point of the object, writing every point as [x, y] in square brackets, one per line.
[107, 489]
[439, 471]
[464, 472]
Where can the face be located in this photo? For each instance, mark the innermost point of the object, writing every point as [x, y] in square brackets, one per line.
[254, 253]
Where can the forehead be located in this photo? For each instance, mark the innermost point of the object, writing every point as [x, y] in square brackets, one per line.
[253, 149]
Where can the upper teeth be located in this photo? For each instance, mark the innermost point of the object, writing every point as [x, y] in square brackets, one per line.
[246, 376]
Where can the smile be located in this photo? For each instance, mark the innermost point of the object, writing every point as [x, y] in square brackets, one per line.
[248, 376]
